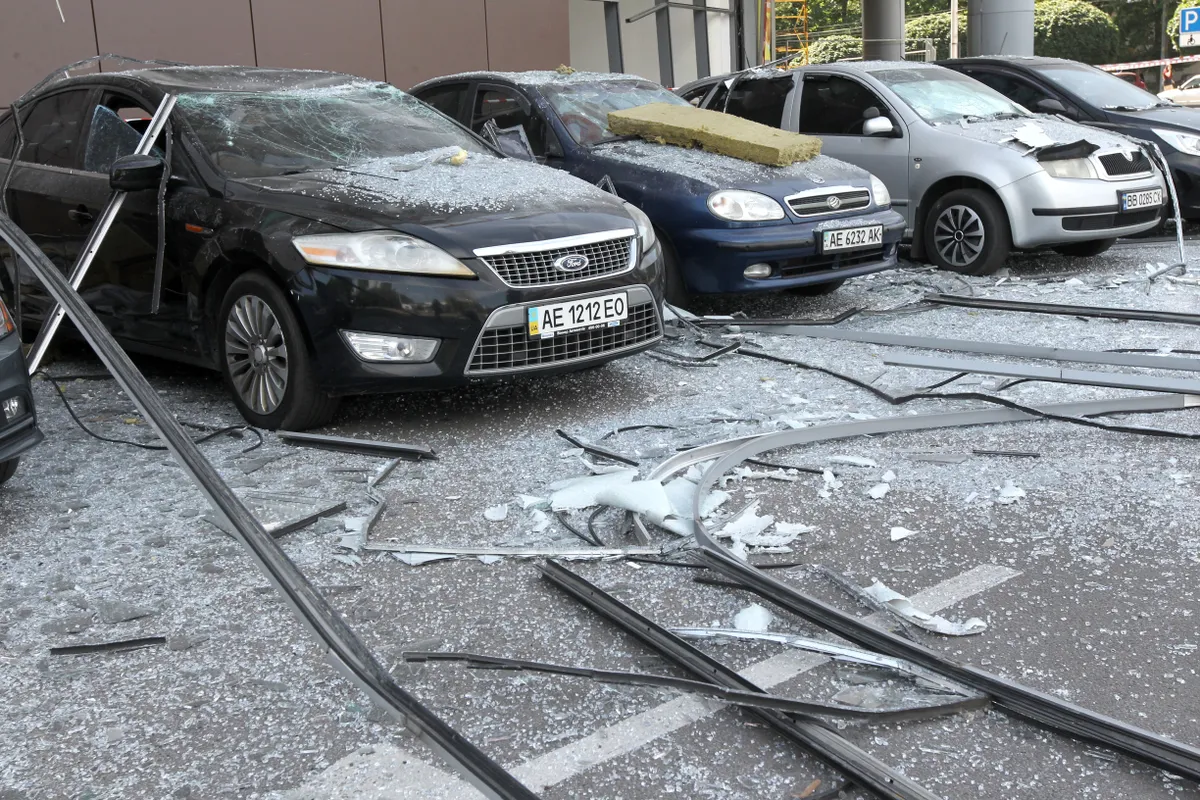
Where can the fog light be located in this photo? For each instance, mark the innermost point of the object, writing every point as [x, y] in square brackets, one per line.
[393, 349]
[13, 408]
[755, 271]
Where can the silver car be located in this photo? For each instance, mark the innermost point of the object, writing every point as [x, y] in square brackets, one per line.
[974, 174]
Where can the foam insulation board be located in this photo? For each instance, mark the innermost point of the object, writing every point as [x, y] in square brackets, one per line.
[726, 134]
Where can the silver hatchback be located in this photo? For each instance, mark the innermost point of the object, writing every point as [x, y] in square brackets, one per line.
[974, 174]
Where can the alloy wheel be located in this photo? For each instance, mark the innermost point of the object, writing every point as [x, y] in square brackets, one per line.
[256, 354]
[958, 235]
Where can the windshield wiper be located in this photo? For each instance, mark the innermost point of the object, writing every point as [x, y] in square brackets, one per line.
[610, 139]
[1128, 108]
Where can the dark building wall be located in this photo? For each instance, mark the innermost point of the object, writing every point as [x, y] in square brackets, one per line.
[400, 41]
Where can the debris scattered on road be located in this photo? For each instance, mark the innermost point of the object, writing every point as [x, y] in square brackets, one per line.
[753, 618]
[361, 446]
[278, 512]
[496, 513]
[899, 533]
[1009, 493]
[108, 647]
[879, 491]
[901, 606]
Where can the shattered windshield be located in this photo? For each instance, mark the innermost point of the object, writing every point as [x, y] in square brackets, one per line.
[1098, 87]
[261, 134]
[941, 95]
[584, 107]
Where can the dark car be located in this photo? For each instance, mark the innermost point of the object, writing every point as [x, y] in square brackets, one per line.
[327, 235]
[1095, 97]
[18, 421]
[727, 225]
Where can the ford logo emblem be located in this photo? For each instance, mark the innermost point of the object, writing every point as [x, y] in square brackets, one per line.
[571, 263]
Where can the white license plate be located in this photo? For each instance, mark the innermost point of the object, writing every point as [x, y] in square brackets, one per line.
[851, 238]
[606, 311]
[1131, 201]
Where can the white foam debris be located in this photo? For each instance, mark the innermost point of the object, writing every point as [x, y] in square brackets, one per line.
[540, 520]
[879, 491]
[772, 540]
[753, 618]
[490, 559]
[888, 476]
[793, 528]
[417, 559]
[746, 524]
[682, 494]
[899, 533]
[647, 498]
[903, 607]
[528, 501]
[831, 480]
[1009, 493]
[496, 513]
[579, 493]
[854, 461]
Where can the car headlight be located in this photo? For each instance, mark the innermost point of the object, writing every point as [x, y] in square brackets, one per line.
[644, 226]
[6, 323]
[1069, 168]
[381, 250]
[1183, 142]
[741, 206]
[879, 193]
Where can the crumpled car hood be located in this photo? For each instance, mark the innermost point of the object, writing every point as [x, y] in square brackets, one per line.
[1038, 131]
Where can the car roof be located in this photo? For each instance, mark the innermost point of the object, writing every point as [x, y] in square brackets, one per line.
[538, 78]
[1021, 61]
[178, 79]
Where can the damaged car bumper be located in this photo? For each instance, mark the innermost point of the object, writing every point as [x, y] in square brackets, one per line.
[1045, 210]
[466, 330]
[716, 260]
[18, 420]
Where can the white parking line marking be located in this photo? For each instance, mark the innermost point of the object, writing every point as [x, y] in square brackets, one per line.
[393, 774]
[641, 729]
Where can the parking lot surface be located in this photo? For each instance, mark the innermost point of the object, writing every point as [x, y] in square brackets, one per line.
[1085, 577]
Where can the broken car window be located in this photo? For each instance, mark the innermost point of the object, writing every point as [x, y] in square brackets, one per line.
[110, 138]
[507, 111]
[940, 95]
[260, 134]
[584, 107]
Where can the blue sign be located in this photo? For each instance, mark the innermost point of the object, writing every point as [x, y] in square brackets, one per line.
[1189, 20]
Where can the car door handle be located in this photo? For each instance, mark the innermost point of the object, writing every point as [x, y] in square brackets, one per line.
[80, 215]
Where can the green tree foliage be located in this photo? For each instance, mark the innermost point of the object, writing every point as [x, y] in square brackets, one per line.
[936, 27]
[1074, 29]
[834, 48]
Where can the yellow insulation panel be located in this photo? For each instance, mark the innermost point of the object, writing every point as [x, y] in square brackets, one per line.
[726, 134]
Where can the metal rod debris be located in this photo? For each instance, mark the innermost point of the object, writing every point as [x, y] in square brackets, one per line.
[991, 348]
[597, 450]
[365, 447]
[1066, 310]
[567, 553]
[108, 647]
[739, 697]
[811, 734]
[1112, 380]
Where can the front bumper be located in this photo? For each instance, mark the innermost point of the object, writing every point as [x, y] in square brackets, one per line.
[714, 260]
[480, 325]
[21, 433]
[1048, 211]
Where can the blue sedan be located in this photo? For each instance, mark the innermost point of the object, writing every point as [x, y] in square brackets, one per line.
[726, 225]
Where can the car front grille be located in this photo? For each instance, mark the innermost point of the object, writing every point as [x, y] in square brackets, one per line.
[811, 205]
[1116, 164]
[1101, 222]
[536, 267]
[510, 348]
[796, 267]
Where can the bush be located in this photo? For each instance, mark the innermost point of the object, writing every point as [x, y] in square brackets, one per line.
[936, 27]
[1076, 30]
[834, 48]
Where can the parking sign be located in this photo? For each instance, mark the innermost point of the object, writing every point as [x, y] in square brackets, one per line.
[1189, 27]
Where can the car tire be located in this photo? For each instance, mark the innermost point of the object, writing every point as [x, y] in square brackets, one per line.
[675, 290]
[8, 469]
[265, 360]
[1085, 249]
[818, 289]
[966, 231]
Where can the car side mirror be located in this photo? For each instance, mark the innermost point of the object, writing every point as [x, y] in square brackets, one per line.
[135, 173]
[1051, 106]
[878, 126]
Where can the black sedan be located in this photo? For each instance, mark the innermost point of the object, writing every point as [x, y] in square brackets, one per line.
[18, 421]
[325, 235]
[1095, 97]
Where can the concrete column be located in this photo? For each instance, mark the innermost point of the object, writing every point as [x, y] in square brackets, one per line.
[883, 30]
[1000, 27]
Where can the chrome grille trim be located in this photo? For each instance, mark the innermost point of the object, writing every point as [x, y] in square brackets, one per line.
[504, 346]
[815, 202]
[532, 263]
